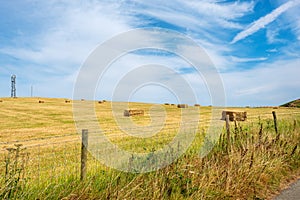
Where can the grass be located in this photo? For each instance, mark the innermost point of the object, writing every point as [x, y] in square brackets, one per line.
[250, 164]
[295, 103]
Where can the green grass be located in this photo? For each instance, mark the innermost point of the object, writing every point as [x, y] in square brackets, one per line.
[295, 103]
[253, 163]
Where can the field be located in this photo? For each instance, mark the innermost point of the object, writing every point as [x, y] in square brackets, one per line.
[252, 161]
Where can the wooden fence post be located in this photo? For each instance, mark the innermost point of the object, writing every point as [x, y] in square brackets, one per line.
[84, 146]
[228, 133]
[275, 121]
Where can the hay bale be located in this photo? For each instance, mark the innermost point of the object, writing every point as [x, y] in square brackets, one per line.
[182, 106]
[67, 101]
[1, 101]
[82, 99]
[172, 104]
[234, 115]
[40, 101]
[133, 112]
[100, 102]
[197, 105]
[167, 104]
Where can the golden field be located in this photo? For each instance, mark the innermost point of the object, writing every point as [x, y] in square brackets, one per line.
[52, 162]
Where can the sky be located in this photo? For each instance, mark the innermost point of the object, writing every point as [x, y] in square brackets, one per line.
[254, 45]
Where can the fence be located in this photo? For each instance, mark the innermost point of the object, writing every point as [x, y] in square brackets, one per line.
[49, 163]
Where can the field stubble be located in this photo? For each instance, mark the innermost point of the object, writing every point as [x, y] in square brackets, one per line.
[252, 163]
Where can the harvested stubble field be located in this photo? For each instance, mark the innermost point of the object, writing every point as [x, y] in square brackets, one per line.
[252, 162]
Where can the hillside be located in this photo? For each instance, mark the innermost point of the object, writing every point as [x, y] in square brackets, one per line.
[41, 153]
[295, 103]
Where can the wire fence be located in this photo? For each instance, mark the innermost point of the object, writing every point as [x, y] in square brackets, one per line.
[49, 162]
[202, 121]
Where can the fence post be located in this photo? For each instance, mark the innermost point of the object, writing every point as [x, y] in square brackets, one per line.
[275, 121]
[84, 146]
[228, 133]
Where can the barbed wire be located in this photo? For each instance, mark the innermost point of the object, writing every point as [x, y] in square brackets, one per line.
[123, 131]
[60, 158]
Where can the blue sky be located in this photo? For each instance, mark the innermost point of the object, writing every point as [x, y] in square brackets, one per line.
[253, 44]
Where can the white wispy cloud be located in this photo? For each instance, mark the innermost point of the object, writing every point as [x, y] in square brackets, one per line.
[200, 16]
[263, 21]
[252, 90]
[73, 29]
[272, 36]
[293, 18]
[240, 60]
[272, 50]
[291, 23]
[204, 21]
[266, 84]
[65, 34]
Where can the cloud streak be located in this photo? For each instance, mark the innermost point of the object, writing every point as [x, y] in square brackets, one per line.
[240, 60]
[266, 84]
[263, 21]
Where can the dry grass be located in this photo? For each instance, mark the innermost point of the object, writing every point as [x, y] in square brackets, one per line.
[26, 119]
[251, 165]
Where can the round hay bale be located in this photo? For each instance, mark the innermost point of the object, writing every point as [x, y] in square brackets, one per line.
[182, 106]
[133, 112]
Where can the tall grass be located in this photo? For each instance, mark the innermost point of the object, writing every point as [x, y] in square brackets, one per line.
[250, 163]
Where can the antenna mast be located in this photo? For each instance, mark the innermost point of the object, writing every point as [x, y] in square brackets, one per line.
[13, 86]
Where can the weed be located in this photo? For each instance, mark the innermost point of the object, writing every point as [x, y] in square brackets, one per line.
[15, 165]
